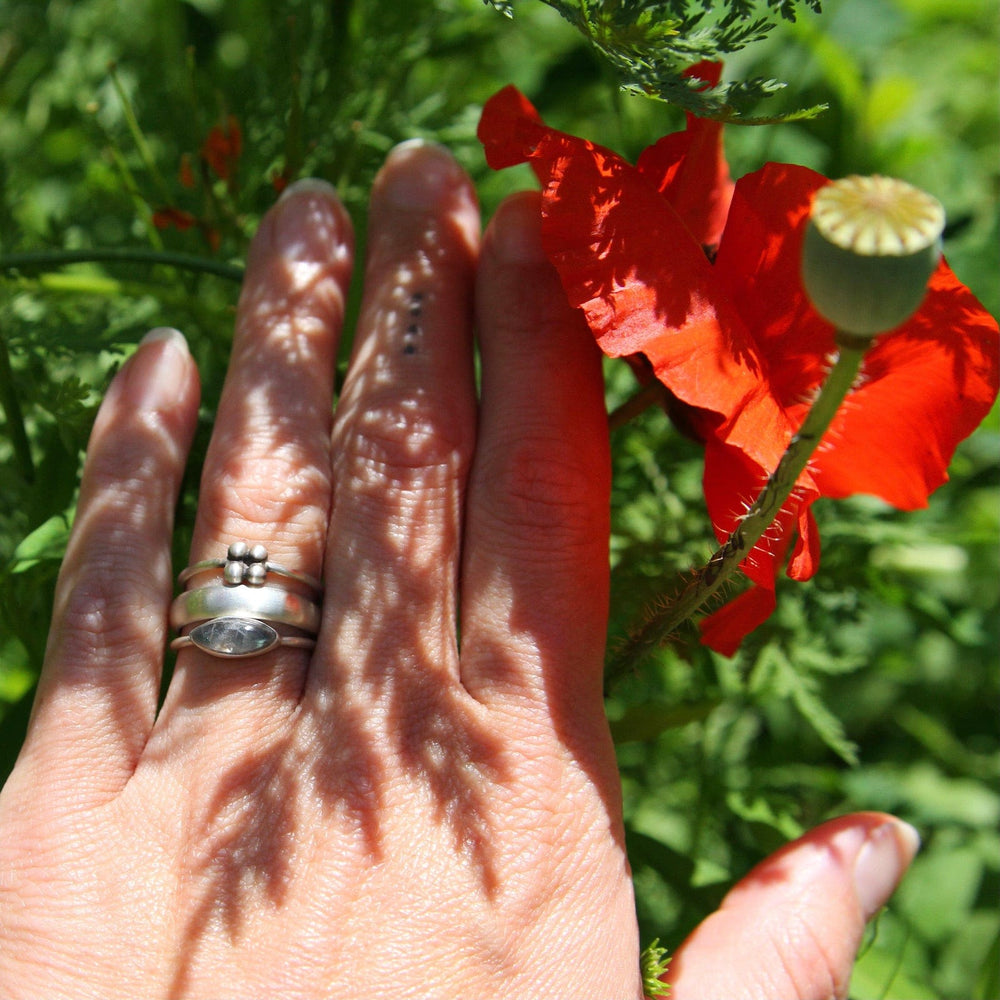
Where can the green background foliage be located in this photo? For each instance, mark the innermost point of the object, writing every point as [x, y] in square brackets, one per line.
[875, 686]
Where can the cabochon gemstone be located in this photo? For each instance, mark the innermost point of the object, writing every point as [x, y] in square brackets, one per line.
[234, 636]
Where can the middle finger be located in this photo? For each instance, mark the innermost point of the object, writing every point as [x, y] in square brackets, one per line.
[405, 426]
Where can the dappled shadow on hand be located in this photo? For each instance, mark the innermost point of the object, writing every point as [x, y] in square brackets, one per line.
[381, 703]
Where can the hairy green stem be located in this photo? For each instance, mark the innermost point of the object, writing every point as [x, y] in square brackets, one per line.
[121, 255]
[726, 560]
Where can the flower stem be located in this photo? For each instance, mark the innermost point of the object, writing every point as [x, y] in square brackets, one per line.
[649, 395]
[726, 560]
[123, 255]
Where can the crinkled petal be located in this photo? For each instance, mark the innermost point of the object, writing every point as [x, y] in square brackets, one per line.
[509, 128]
[923, 389]
[625, 257]
[758, 265]
[689, 169]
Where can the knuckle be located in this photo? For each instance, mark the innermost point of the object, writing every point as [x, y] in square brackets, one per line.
[538, 489]
[278, 485]
[92, 619]
[395, 439]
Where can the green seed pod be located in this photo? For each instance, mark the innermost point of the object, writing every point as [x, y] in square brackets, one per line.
[871, 245]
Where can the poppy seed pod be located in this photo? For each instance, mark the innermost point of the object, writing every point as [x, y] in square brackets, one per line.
[871, 245]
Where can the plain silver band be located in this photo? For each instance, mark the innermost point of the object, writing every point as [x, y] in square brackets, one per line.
[268, 604]
[207, 564]
[299, 641]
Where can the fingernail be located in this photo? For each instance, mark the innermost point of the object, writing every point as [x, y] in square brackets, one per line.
[309, 185]
[307, 223]
[882, 862]
[517, 230]
[154, 375]
[419, 175]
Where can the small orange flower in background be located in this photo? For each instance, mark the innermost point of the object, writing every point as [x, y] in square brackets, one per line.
[164, 218]
[185, 173]
[219, 155]
[279, 181]
[735, 338]
[222, 148]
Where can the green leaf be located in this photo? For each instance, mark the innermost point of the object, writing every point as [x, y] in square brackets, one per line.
[776, 673]
[16, 675]
[877, 976]
[651, 43]
[46, 542]
[649, 720]
[988, 981]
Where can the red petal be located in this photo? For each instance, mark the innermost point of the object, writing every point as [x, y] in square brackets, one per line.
[626, 258]
[690, 170]
[805, 557]
[924, 389]
[213, 152]
[509, 128]
[758, 264]
[724, 630]
[222, 147]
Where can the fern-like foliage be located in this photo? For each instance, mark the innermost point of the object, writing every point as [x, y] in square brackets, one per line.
[650, 43]
[654, 961]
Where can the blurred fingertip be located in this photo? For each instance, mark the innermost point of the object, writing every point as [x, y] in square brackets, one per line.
[161, 373]
[420, 175]
[312, 186]
[166, 335]
[883, 859]
[307, 224]
[515, 230]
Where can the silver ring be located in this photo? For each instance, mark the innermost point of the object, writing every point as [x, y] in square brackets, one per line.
[238, 638]
[240, 615]
[248, 564]
[269, 604]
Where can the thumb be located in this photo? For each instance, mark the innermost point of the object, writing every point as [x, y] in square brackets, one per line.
[791, 928]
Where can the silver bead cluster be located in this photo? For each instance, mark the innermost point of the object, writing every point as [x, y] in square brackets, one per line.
[245, 564]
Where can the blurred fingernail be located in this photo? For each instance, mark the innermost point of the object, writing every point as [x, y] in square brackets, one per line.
[882, 862]
[308, 222]
[309, 185]
[517, 230]
[419, 175]
[154, 377]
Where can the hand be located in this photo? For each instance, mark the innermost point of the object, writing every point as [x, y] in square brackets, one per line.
[427, 804]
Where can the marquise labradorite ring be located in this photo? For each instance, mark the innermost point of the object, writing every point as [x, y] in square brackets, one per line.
[237, 613]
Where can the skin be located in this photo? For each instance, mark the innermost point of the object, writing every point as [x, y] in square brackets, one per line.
[395, 813]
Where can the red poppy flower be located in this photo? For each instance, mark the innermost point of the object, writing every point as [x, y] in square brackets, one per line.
[736, 341]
